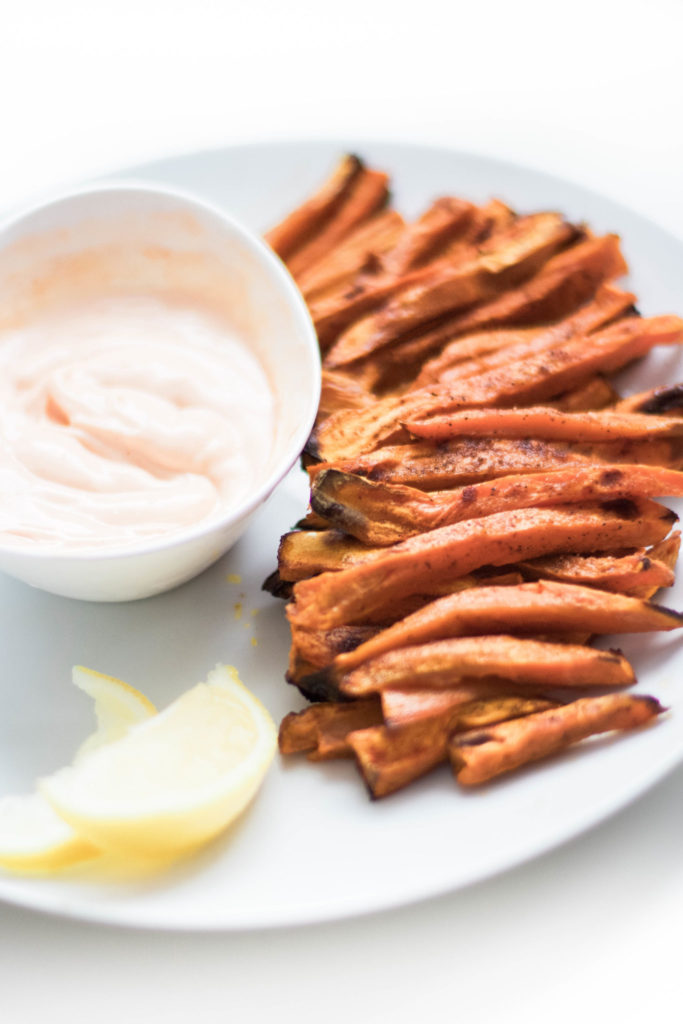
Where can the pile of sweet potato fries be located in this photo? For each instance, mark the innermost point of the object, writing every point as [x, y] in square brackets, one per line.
[481, 495]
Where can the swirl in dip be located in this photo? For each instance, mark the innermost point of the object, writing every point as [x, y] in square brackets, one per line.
[124, 417]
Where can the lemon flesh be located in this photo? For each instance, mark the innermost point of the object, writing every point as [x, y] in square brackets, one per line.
[33, 837]
[118, 706]
[174, 781]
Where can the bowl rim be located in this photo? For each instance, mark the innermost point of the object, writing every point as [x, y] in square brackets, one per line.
[283, 279]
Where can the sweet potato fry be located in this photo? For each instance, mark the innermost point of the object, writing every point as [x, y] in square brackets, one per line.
[568, 280]
[543, 606]
[635, 573]
[546, 422]
[339, 391]
[300, 225]
[389, 758]
[442, 222]
[383, 514]
[482, 754]
[499, 346]
[321, 730]
[596, 393]
[444, 663]
[510, 257]
[360, 251]
[319, 647]
[431, 467]
[548, 373]
[403, 706]
[522, 382]
[305, 553]
[367, 193]
[411, 567]
[667, 550]
[661, 401]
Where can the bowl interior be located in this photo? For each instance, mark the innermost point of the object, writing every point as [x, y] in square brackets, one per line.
[131, 239]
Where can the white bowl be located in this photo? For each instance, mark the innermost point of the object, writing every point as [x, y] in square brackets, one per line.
[271, 317]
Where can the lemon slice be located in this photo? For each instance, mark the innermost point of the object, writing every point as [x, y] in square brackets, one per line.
[117, 707]
[175, 781]
[33, 838]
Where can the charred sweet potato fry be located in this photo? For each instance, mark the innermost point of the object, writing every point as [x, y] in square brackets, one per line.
[403, 706]
[432, 467]
[411, 567]
[367, 193]
[521, 382]
[661, 401]
[442, 222]
[542, 606]
[360, 251]
[510, 257]
[444, 663]
[321, 730]
[637, 573]
[383, 514]
[305, 553]
[497, 347]
[482, 754]
[567, 282]
[481, 494]
[390, 758]
[301, 224]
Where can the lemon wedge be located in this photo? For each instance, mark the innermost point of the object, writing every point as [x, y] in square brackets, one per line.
[117, 707]
[33, 838]
[174, 781]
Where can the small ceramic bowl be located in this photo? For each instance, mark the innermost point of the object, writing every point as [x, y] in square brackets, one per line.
[143, 223]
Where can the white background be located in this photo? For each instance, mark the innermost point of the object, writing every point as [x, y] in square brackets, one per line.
[590, 91]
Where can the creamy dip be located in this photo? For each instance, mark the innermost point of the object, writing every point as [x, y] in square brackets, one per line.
[126, 418]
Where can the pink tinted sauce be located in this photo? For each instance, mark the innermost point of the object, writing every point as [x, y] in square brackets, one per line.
[126, 418]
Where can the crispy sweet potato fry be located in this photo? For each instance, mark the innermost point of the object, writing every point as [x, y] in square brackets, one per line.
[596, 393]
[510, 257]
[543, 606]
[300, 225]
[546, 422]
[383, 514]
[568, 280]
[367, 193]
[402, 706]
[339, 391]
[482, 754]
[389, 758]
[470, 226]
[444, 663]
[431, 467]
[522, 382]
[321, 730]
[607, 306]
[442, 222]
[635, 573]
[308, 661]
[360, 251]
[305, 553]
[414, 565]
[661, 401]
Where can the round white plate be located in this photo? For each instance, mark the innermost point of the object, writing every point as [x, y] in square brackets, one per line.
[313, 847]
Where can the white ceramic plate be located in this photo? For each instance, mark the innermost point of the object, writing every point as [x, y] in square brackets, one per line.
[313, 846]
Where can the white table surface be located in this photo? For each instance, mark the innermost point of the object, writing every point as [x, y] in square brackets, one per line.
[591, 91]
